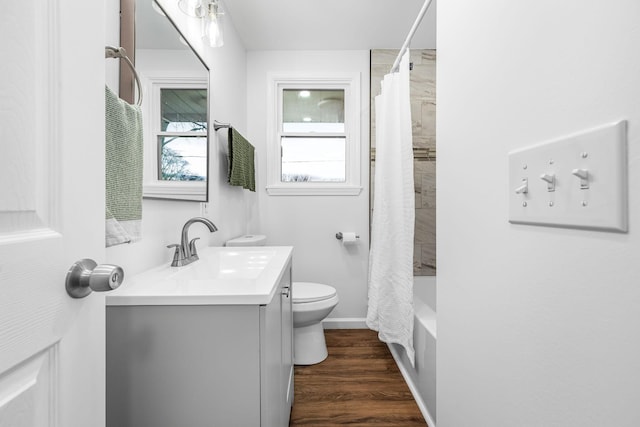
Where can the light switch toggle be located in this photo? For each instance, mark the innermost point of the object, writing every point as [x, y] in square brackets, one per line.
[550, 179]
[583, 174]
[524, 188]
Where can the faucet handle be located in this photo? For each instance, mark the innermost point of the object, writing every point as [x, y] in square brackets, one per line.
[193, 249]
[176, 254]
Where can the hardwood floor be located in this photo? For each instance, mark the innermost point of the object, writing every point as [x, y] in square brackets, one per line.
[359, 384]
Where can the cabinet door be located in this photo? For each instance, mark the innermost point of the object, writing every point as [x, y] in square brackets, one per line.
[287, 344]
[276, 344]
[183, 366]
[271, 395]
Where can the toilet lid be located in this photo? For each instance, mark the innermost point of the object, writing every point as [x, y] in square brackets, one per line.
[310, 292]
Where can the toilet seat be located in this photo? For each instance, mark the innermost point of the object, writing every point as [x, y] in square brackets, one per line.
[306, 292]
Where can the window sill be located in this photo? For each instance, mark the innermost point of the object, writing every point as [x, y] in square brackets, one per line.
[313, 190]
[192, 191]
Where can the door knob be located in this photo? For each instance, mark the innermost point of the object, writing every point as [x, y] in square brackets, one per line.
[86, 276]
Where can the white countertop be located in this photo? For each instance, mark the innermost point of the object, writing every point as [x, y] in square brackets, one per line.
[222, 276]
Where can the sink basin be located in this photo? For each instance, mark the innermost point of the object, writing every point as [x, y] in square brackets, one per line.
[238, 275]
[227, 264]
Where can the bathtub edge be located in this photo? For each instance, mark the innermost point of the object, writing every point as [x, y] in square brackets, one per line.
[412, 386]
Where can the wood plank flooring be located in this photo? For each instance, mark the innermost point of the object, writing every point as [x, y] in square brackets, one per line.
[359, 384]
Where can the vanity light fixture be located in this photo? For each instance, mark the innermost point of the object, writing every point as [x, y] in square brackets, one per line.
[304, 94]
[211, 14]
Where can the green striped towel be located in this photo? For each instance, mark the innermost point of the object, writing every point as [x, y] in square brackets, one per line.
[241, 164]
[124, 146]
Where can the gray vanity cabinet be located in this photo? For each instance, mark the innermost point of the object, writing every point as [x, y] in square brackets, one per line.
[201, 365]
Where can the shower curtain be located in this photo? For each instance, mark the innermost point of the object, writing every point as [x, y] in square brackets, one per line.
[390, 306]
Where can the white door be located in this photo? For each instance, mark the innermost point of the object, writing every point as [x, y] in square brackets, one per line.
[51, 211]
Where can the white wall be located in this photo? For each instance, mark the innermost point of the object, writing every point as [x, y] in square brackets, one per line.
[536, 326]
[230, 208]
[310, 223]
[112, 38]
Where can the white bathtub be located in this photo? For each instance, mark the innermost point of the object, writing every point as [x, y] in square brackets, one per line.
[422, 379]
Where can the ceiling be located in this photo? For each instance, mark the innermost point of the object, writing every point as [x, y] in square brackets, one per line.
[154, 31]
[305, 24]
[330, 24]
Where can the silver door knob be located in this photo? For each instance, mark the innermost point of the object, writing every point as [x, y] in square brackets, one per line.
[86, 276]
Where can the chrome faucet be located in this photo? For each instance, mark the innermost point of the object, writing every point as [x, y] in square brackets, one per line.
[186, 252]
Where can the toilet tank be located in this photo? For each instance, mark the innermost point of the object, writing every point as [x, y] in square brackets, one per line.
[248, 240]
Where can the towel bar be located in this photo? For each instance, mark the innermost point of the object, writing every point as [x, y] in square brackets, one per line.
[119, 52]
[339, 235]
[217, 125]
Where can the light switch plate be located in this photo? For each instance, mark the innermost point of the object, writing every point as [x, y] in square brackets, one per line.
[601, 152]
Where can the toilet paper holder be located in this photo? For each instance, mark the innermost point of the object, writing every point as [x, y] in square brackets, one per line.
[339, 235]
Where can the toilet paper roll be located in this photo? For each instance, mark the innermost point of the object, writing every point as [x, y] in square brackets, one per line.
[349, 238]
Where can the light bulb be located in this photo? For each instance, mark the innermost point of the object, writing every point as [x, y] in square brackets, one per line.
[213, 25]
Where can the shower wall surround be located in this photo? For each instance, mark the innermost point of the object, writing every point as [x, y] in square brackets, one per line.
[423, 117]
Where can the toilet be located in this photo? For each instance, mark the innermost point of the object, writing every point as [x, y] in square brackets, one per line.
[312, 303]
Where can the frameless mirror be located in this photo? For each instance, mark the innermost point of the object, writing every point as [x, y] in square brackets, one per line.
[175, 108]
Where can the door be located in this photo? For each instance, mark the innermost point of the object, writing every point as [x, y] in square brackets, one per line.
[51, 212]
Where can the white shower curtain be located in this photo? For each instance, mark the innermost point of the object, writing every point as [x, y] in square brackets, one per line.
[390, 309]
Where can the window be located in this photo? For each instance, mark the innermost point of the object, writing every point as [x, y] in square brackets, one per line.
[313, 135]
[176, 141]
[314, 141]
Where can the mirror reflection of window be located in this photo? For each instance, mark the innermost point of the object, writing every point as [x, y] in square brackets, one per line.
[175, 81]
[182, 140]
[313, 137]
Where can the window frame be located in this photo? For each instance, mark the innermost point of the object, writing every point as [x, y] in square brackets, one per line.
[350, 83]
[153, 187]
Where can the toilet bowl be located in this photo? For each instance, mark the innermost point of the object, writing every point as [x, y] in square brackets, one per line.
[312, 302]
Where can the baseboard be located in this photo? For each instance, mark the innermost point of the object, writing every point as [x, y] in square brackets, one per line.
[412, 387]
[344, 323]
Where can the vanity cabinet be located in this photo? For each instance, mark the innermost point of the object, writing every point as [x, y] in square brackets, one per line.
[190, 365]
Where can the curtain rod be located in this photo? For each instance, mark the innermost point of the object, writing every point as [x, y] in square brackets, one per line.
[407, 41]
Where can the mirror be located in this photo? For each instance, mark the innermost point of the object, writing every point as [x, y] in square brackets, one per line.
[175, 108]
